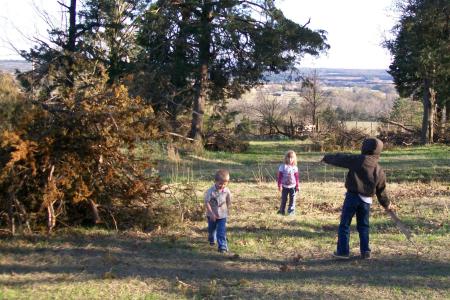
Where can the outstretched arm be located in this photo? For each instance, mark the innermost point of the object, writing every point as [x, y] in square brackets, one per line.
[340, 160]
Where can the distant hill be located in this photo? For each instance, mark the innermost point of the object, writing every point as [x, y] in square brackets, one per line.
[10, 66]
[373, 79]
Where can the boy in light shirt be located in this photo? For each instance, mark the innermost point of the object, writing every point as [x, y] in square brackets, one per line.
[217, 205]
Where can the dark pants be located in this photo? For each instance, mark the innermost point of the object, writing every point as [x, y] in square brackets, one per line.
[284, 195]
[217, 231]
[353, 205]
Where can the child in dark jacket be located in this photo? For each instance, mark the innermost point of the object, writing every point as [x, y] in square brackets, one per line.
[364, 179]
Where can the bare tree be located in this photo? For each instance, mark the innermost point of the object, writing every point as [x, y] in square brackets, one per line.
[270, 113]
[313, 95]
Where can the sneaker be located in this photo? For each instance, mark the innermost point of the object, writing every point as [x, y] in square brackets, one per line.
[291, 213]
[365, 255]
[280, 213]
[212, 243]
[340, 256]
[223, 250]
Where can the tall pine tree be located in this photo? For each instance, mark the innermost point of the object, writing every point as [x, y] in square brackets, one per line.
[421, 56]
[212, 50]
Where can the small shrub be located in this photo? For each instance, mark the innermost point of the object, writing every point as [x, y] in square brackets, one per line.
[392, 138]
[147, 218]
[183, 199]
[339, 139]
[220, 132]
[222, 141]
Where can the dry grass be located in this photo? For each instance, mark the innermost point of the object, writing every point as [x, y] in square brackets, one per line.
[371, 128]
[275, 257]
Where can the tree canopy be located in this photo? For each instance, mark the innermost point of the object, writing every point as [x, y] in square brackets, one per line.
[213, 50]
[421, 55]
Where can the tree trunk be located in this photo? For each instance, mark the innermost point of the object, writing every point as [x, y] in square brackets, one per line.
[95, 213]
[431, 117]
[11, 219]
[426, 111]
[202, 82]
[442, 119]
[199, 105]
[51, 218]
[314, 119]
[71, 43]
[72, 25]
[447, 110]
[292, 130]
[22, 214]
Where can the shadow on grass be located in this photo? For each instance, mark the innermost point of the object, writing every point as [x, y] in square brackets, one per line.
[416, 225]
[194, 262]
[311, 231]
[297, 229]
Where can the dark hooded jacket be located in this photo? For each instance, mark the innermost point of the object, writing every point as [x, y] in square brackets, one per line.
[365, 176]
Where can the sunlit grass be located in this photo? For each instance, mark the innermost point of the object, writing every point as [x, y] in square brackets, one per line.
[261, 161]
[272, 256]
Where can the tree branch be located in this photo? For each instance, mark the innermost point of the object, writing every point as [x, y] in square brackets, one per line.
[398, 124]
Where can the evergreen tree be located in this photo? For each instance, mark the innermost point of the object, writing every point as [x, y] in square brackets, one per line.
[109, 31]
[421, 56]
[213, 50]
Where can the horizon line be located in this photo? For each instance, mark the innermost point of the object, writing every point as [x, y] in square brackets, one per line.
[300, 67]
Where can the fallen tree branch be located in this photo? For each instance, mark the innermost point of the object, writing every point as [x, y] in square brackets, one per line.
[398, 124]
[181, 136]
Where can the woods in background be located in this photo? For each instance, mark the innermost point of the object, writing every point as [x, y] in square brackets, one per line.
[118, 73]
[421, 60]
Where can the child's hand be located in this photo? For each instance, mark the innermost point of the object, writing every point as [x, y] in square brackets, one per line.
[296, 188]
[279, 188]
[212, 218]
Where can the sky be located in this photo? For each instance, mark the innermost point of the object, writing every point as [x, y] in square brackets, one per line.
[356, 28]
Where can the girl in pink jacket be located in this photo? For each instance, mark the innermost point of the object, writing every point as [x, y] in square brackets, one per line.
[288, 182]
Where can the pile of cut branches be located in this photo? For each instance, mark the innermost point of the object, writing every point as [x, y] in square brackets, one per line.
[340, 138]
[71, 159]
[398, 138]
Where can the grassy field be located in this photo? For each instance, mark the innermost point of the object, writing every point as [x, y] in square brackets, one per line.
[261, 161]
[272, 256]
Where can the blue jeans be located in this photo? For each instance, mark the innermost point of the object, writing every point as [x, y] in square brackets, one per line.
[353, 205]
[217, 231]
[284, 195]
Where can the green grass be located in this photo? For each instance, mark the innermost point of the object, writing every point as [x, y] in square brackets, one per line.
[275, 257]
[261, 161]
